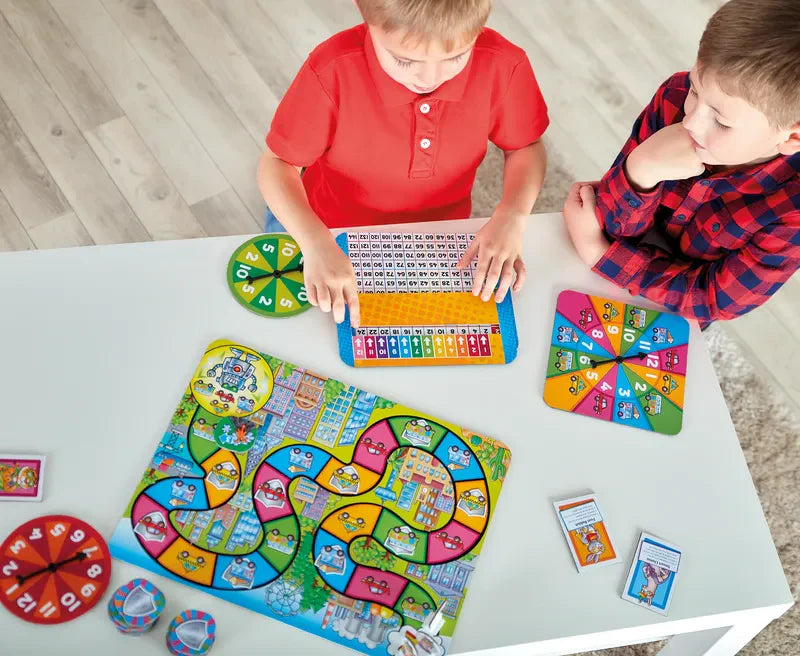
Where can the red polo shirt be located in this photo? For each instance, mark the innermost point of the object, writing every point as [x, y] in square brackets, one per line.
[377, 152]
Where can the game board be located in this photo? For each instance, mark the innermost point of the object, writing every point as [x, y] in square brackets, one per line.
[417, 308]
[316, 503]
[617, 362]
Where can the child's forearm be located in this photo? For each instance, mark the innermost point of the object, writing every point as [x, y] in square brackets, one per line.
[523, 175]
[283, 191]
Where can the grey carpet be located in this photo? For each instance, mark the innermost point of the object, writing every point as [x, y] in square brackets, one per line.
[768, 429]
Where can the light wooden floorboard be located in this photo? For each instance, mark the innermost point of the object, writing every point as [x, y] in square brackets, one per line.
[61, 62]
[24, 179]
[201, 104]
[61, 232]
[147, 106]
[62, 148]
[13, 236]
[175, 98]
[151, 195]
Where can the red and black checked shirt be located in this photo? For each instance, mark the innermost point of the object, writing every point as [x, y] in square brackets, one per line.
[734, 235]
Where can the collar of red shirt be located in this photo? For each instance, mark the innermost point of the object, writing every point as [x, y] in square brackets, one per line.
[393, 93]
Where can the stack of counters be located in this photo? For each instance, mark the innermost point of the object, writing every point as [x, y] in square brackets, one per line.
[191, 633]
[135, 607]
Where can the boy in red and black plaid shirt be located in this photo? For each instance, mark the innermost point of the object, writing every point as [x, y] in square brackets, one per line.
[700, 212]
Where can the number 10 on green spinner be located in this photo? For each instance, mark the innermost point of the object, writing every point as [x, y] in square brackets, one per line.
[265, 274]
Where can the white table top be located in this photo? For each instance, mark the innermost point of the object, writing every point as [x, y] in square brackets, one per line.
[98, 344]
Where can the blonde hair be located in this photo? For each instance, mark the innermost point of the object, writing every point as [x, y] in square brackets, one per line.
[753, 49]
[452, 22]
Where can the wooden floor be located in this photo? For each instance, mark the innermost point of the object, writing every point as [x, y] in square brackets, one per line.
[130, 120]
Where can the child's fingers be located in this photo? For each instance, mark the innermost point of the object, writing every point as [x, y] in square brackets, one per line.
[324, 297]
[492, 276]
[469, 255]
[505, 281]
[522, 273]
[337, 304]
[311, 292]
[351, 298]
[480, 274]
[587, 194]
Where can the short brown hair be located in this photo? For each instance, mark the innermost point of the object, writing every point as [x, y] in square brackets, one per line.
[753, 47]
[450, 21]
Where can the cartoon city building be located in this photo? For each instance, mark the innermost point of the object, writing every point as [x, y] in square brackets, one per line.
[415, 571]
[314, 509]
[259, 417]
[354, 619]
[305, 490]
[449, 580]
[246, 532]
[256, 452]
[333, 417]
[283, 390]
[167, 462]
[427, 481]
[225, 514]
[277, 425]
[216, 534]
[363, 405]
[198, 520]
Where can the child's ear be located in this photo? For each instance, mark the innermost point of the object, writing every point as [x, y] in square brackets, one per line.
[792, 144]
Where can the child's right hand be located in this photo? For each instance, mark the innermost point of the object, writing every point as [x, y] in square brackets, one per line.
[668, 154]
[330, 280]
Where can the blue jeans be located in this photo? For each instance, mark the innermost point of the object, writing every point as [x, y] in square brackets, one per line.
[271, 223]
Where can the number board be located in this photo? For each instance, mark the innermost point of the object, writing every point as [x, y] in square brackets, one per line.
[53, 569]
[617, 362]
[417, 307]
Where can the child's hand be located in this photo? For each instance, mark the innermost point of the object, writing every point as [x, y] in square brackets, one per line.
[669, 154]
[582, 225]
[497, 246]
[330, 280]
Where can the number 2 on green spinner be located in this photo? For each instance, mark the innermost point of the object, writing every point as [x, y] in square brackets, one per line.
[265, 274]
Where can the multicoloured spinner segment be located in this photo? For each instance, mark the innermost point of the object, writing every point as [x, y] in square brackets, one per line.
[617, 362]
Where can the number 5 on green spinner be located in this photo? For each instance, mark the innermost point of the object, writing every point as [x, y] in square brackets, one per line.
[265, 274]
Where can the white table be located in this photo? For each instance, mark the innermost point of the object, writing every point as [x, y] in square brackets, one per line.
[98, 344]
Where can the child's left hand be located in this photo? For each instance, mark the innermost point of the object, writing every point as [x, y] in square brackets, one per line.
[582, 225]
[497, 247]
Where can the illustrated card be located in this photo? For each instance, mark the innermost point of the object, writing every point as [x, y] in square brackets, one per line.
[586, 532]
[21, 477]
[654, 572]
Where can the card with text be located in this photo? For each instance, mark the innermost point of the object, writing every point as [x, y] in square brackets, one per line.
[21, 477]
[586, 532]
[651, 581]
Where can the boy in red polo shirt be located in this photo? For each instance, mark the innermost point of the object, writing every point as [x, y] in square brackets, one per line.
[390, 120]
[701, 210]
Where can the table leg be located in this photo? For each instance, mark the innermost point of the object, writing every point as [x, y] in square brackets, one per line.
[724, 641]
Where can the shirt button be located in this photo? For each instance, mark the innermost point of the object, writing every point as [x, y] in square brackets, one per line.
[715, 227]
[425, 144]
[705, 183]
[634, 203]
[424, 108]
[681, 217]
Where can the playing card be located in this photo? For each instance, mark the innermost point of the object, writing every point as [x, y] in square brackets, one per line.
[654, 571]
[586, 532]
[21, 477]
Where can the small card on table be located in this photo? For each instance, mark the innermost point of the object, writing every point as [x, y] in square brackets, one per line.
[586, 532]
[654, 572]
[21, 477]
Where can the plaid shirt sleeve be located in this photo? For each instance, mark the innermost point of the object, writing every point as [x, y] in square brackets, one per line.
[720, 289]
[621, 210]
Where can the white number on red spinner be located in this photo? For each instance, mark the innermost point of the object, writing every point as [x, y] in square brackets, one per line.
[53, 569]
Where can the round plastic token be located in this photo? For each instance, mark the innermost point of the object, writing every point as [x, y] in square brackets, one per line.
[136, 606]
[265, 274]
[53, 569]
[191, 633]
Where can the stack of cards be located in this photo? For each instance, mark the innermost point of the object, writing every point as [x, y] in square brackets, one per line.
[21, 477]
[651, 581]
[191, 633]
[136, 606]
[586, 532]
